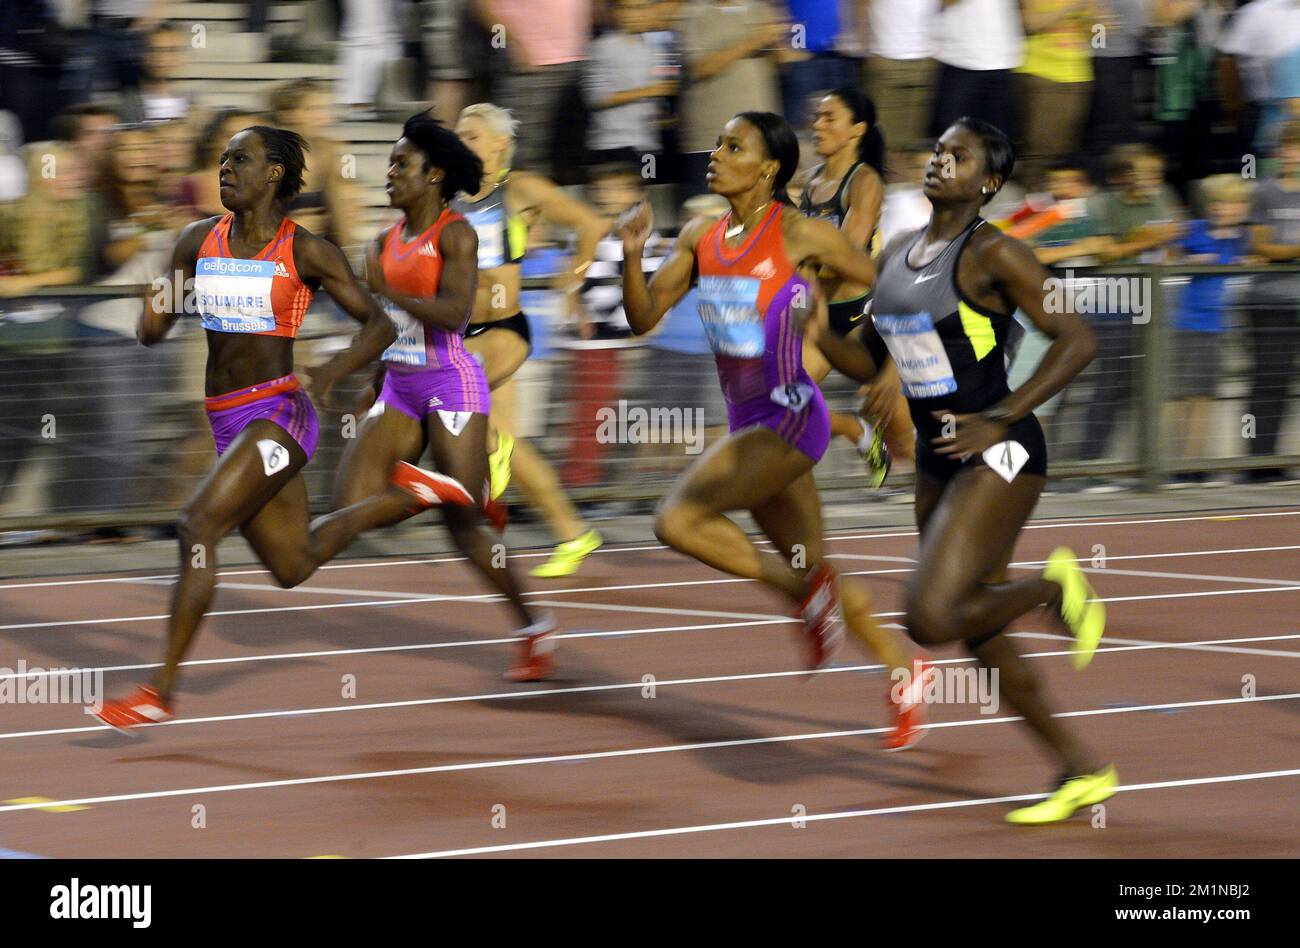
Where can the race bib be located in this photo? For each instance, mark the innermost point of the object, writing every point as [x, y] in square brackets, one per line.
[454, 421]
[729, 310]
[918, 352]
[794, 396]
[1007, 458]
[490, 225]
[234, 295]
[275, 456]
[408, 348]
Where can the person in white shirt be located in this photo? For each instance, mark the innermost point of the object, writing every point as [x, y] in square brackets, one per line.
[900, 69]
[977, 44]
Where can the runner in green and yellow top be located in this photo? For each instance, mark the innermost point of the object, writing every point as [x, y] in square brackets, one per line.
[498, 333]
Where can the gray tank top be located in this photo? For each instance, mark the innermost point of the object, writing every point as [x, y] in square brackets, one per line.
[949, 350]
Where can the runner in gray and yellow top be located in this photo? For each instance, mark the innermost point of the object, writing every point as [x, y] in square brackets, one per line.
[942, 311]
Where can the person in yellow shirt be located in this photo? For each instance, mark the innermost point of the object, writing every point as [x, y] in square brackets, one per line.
[1056, 78]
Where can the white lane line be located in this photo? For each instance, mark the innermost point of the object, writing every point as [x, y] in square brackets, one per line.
[612, 607]
[1212, 646]
[619, 686]
[1197, 595]
[420, 646]
[367, 564]
[606, 550]
[822, 817]
[1160, 556]
[1203, 577]
[1086, 523]
[604, 755]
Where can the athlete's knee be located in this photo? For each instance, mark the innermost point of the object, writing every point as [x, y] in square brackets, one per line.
[931, 621]
[673, 525]
[197, 527]
[289, 575]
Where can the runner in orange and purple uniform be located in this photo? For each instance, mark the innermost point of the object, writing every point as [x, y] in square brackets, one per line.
[253, 273]
[756, 268]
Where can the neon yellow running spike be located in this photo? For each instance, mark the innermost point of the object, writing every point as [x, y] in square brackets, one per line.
[1074, 793]
[568, 556]
[875, 454]
[499, 463]
[1080, 609]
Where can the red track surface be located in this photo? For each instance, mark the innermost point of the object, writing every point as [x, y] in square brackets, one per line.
[283, 765]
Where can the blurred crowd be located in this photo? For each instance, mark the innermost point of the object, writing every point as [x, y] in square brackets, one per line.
[1148, 132]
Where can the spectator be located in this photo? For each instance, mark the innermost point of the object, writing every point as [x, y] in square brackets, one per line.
[614, 188]
[1182, 44]
[1200, 320]
[117, 37]
[816, 65]
[1143, 217]
[13, 176]
[622, 90]
[51, 232]
[900, 67]
[33, 51]
[1263, 39]
[327, 203]
[546, 41]
[51, 224]
[1271, 303]
[157, 99]
[732, 48]
[1060, 230]
[1062, 235]
[133, 249]
[1055, 81]
[1116, 61]
[977, 44]
[368, 41]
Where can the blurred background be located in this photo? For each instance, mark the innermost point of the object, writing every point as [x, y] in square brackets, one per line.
[1159, 174]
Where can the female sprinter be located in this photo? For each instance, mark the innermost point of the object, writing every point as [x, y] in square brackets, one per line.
[941, 309]
[433, 391]
[253, 273]
[501, 213]
[848, 189]
[751, 267]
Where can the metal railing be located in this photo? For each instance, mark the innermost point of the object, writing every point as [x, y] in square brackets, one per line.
[97, 431]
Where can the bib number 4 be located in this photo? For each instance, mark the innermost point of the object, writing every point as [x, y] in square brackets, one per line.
[1007, 458]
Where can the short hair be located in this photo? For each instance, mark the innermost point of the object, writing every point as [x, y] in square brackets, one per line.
[289, 95]
[1124, 158]
[286, 148]
[999, 154]
[780, 142]
[498, 120]
[1225, 187]
[614, 169]
[442, 149]
[1069, 163]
